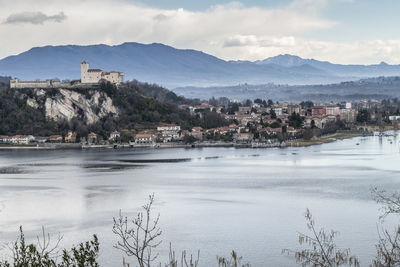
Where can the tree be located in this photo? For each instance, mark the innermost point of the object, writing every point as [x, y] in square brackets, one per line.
[306, 104]
[295, 120]
[189, 139]
[388, 247]
[140, 236]
[322, 249]
[272, 113]
[258, 101]
[363, 116]
[233, 107]
[46, 254]
[248, 103]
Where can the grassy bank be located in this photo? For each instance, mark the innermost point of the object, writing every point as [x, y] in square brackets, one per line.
[323, 139]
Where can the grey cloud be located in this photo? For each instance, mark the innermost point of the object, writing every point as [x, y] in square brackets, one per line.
[34, 18]
[160, 17]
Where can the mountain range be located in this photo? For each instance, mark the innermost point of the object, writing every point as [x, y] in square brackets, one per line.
[171, 67]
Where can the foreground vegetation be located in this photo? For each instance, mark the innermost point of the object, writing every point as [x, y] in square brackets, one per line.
[139, 237]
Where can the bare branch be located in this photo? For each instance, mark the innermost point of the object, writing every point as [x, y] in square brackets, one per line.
[139, 236]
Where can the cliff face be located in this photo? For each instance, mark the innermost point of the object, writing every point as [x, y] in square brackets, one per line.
[63, 104]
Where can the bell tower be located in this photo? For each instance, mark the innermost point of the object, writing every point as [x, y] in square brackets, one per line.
[84, 71]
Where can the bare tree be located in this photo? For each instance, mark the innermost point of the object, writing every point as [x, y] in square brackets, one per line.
[390, 202]
[234, 261]
[388, 249]
[139, 236]
[323, 250]
[45, 245]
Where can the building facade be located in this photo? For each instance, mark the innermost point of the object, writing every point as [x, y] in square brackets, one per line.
[97, 75]
[18, 84]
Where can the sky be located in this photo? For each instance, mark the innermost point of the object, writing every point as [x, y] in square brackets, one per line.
[340, 31]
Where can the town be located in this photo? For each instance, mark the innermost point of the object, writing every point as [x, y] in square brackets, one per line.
[216, 122]
[258, 123]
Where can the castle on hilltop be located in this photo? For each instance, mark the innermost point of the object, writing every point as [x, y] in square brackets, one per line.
[97, 75]
[88, 76]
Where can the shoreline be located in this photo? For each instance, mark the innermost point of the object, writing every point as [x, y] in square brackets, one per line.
[324, 139]
[290, 143]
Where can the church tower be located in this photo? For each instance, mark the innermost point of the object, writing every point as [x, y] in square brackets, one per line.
[84, 71]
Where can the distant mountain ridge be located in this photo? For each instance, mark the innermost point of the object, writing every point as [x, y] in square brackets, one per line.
[361, 71]
[171, 67]
[365, 89]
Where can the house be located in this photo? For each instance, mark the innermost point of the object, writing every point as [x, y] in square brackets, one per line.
[394, 118]
[144, 138]
[292, 131]
[169, 132]
[278, 110]
[41, 139]
[244, 110]
[348, 115]
[293, 109]
[55, 138]
[318, 122]
[22, 139]
[5, 139]
[70, 137]
[197, 132]
[115, 135]
[233, 128]
[243, 137]
[17, 139]
[273, 131]
[92, 138]
[332, 110]
[318, 111]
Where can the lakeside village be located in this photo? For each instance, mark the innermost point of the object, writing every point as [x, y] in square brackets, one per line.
[258, 123]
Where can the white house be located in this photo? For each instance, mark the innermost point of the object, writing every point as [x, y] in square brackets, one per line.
[169, 132]
[144, 138]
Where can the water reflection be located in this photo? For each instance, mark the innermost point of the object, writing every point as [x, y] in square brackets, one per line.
[212, 199]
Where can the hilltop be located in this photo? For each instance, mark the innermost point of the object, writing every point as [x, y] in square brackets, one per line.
[133, 106]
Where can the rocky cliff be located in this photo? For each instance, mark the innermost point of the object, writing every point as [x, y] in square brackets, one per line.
[63, 104]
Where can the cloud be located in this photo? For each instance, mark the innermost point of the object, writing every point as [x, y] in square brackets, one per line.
[230, 31]
[34, 18]
[118, 21]
[252, 40]
[361, 52]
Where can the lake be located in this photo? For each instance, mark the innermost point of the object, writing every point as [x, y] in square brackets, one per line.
[209, 199]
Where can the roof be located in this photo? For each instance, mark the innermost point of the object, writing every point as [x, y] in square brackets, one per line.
[197, 129]
[94, 70]
[167, 125]
[143, 136]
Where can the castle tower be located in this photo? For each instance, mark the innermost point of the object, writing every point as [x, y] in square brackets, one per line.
[84, 71]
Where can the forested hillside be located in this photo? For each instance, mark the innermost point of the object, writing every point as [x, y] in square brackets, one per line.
[132, 106]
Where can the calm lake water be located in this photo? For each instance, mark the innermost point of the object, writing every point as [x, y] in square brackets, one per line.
[211, 199]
